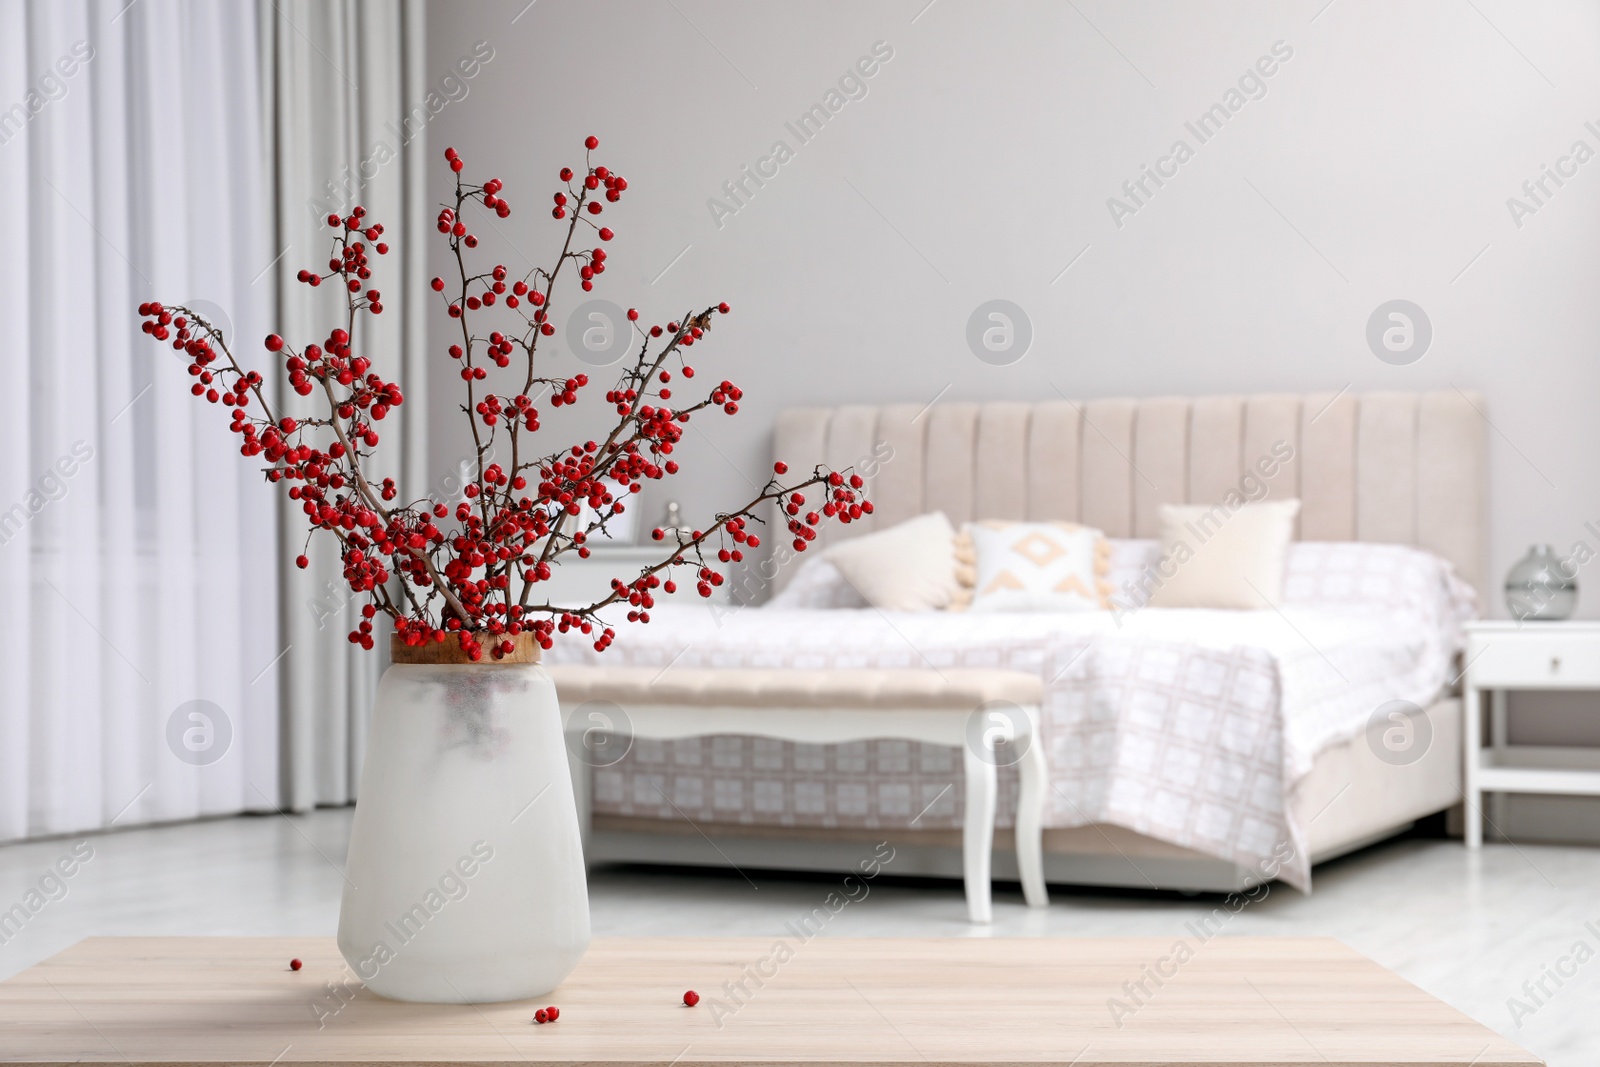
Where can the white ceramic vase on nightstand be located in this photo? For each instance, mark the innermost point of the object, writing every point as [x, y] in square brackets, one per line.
[465, 880]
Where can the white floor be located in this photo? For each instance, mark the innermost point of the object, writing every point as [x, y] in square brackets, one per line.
[1471, 928]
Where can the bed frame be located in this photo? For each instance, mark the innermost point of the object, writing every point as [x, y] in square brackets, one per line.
[1404, 468]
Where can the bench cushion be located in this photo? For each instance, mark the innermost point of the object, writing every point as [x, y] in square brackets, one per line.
[911, 690]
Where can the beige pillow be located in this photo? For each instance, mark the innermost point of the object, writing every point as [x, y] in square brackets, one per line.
[908, 567]
[1222, 557]
[1032, 566]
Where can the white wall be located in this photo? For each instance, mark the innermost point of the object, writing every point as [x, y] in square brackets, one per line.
[1376, 166]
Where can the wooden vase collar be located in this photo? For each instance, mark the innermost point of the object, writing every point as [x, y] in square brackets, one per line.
[449, 651]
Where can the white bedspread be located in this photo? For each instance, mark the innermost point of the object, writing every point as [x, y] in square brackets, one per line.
[1192, 727]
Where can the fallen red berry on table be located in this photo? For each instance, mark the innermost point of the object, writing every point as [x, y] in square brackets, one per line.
[541, 1016]
[691, 998]
[554, 1012]
[295, 965]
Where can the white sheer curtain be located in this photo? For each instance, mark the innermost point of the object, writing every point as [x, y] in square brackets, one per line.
[138, 564]
[171, 149]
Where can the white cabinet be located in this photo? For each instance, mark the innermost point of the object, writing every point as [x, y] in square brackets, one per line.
[1502, 656]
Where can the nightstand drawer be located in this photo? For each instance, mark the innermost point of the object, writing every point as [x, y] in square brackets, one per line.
[1533, 660]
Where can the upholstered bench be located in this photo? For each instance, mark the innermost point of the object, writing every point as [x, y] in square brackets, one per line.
[977, 710]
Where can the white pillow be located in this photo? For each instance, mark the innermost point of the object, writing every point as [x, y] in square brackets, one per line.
[816, 586]
[1222, 557]
[1034, 566]
[909, 567]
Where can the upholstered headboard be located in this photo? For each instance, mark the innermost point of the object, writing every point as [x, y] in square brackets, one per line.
[1403, 468]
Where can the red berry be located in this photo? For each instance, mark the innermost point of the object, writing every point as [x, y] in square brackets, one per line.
[691, 998]
[723, 307]
[295, 965]
[780, 467]
[541, 1016]
[591, 142]
[274, 343]
[606, 233]
[302, 562]
[554, 1012]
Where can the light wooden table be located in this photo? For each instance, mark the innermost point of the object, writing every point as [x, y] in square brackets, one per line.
[1235, 1000]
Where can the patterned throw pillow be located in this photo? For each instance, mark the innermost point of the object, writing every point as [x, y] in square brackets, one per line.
[1032, 566]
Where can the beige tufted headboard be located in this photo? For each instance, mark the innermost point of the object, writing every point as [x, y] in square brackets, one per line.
[1394, 467]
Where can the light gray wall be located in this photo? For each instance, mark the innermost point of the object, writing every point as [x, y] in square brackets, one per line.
[979, 164]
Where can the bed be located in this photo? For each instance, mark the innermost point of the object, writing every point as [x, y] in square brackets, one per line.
[1189, 750]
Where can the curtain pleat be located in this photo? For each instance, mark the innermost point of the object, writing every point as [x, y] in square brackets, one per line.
[65, 558]
[16, 301]
[129, 748]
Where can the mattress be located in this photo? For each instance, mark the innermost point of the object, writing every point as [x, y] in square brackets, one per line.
[1190, 727]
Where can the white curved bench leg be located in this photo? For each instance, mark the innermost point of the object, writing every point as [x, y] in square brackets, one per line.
[977, 835]
[1034, 775]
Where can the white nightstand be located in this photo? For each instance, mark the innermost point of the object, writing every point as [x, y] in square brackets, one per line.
[583, 581]
[1533, 655]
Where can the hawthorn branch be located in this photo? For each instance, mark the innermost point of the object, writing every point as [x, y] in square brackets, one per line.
[552, 547]
[460, 579]
[371, 498]
[772, 491]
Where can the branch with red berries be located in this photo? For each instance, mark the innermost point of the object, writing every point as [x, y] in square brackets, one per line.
[470, 569]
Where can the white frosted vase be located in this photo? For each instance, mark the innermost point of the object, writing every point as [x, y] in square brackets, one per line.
[465, 880]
